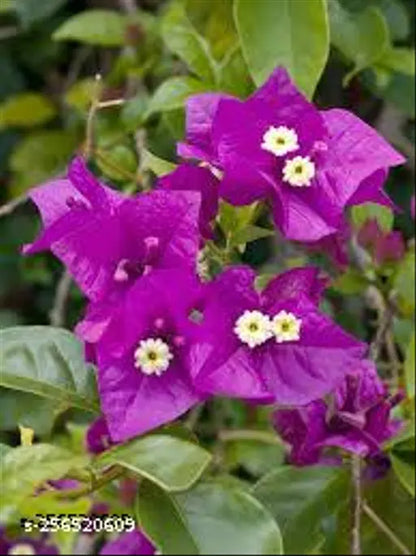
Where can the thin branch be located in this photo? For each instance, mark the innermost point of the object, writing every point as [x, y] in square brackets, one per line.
[385, 529]
[357, 501]
[9, 207]
[110, 103]
[193, 416]
[89, 140]
[57, 314]
[382, 330]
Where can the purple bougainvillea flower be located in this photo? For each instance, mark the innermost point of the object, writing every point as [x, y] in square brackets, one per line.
[26, 545]
[359, 422]
[308, 164]
[273, 346]
[195, 178]
[107, 240]
[200, 112]
[143, 355]
[133, 542]
[98, 438]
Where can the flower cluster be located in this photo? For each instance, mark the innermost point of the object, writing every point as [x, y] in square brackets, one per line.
[162, 339]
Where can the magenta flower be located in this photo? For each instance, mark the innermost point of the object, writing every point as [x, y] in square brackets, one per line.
[26, 545]
[277, 146]
[107, 240]
[359, 422]
[133, 542]
[143, 355]
[273, 346]
[196, 178]
[98, 439]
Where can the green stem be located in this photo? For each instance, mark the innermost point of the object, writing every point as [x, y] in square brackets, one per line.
[111, 474]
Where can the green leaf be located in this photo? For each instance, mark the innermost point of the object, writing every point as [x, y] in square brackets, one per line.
[80, 94]
[401, 60]
[157, 165]
[404, 284]
[119, 163]
[362, 37]
[29, 410]
[233, 219]
[212, 518]
[31, 11]
[98, 27]
[404, 467]
[25, 468]
[284, 33]
[26, 110]
[4, 449]
[214, 21]
[40, 156]
[170, 462]
[350, 283]
[257, 457]
[173, 92]
[48, 362]
[299, 499]
[409, 367]
[250, 233]
[183, 40]
[368, 211]
[233, 74]
[7, 6]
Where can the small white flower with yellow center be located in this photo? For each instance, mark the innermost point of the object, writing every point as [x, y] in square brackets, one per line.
[253, 328]
[152, 357]
[286, 327]
[299, 171]
[22, 548]
[280, 140]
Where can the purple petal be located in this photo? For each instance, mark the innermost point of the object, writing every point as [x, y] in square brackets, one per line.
[133, 542]
[306, 281]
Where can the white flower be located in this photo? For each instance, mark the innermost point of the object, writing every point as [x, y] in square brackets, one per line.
[22, 548]
[286, 327]
[153, 356]
[299, 171]
[253, 328]
[280, 140]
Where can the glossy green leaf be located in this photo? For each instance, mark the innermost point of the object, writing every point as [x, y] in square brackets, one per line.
[31, 11]
[299, 499]
[258, 458]
[212, 518]
[173, 92]
[26, 110]
[157, 165]
[22, 408]
[48, 362]
[80, 94]
[361, 37]
[368, 211]
[233, 74]
[183, 40]
[25, 468]
[284, 33]
[170, 462]
[98, 27]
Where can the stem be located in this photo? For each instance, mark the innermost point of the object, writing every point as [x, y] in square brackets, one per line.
[357, 503]
[9, 207]
[385, 528]
[111, 474]
[95, 102]
[57, 314]
[110, 103]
